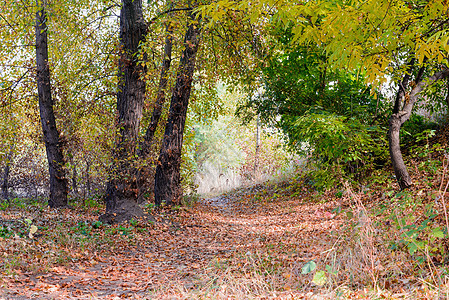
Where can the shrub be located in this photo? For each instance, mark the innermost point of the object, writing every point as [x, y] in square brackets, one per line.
[338, 146]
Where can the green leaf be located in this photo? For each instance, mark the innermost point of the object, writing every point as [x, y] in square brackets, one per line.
[412, 247]
[438, 233]
[330, 270]
[319, 278]
[308, 267]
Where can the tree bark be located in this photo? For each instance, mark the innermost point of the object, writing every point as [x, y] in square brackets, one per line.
[400, 170]
[146, 170]
[399, 118]
[145, 147]
[167, 185]
[402, 86]
[122, 190]
[6, 172]
[74, 180]
[53, 145]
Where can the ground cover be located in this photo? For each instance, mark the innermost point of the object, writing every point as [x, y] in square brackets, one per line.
[267, 241]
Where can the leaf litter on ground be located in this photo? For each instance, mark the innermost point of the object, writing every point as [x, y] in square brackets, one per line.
[250, 243]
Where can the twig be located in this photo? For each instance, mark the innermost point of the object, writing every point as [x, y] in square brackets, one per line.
[443, 200]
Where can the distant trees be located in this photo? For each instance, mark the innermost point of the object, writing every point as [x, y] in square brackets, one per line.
[314, 60]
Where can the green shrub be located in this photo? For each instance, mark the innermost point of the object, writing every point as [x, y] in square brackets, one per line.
[338, 147]
[414, 127]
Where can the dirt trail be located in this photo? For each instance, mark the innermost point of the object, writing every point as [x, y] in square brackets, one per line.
[239, 232]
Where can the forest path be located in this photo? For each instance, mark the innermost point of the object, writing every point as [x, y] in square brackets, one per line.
[251, 242]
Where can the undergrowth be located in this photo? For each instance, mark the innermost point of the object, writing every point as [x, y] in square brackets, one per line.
[392, 242]
[383, 243]
[34, 241]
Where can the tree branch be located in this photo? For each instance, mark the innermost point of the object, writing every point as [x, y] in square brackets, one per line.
[169, 11]
[420, 85]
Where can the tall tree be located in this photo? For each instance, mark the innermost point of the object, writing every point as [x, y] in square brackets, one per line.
[122, 190]
[53, 144]
[145, 147]
[167, 184]
[121, 194]
[146, 170]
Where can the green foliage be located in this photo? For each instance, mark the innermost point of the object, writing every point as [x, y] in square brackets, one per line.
[149, 206]
[301, 79]
[339, 146]
[423, 150]
[332, 137]
[320, 277]
[329, 116]
[20, 203]
[20, 228]
[416, 129]
[92, 230]
[83, 228]
[97, 224]
[125, 230]
[418, 234]
[94, 201]
[6, 232]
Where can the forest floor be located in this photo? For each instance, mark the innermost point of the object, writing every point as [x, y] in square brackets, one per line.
[271, 241]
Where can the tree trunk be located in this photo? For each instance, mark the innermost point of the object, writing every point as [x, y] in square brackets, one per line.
[74, 180]
[122, 190]
[6, 171]
[167, 185]
[58, 180]
[399, 118]
[400, 170]
[146, 171]
[256, 156]
[160, 98]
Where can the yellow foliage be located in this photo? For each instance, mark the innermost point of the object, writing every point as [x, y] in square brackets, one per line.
[371, 35]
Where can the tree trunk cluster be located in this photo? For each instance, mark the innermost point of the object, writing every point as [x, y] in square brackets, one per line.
[127, 182]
